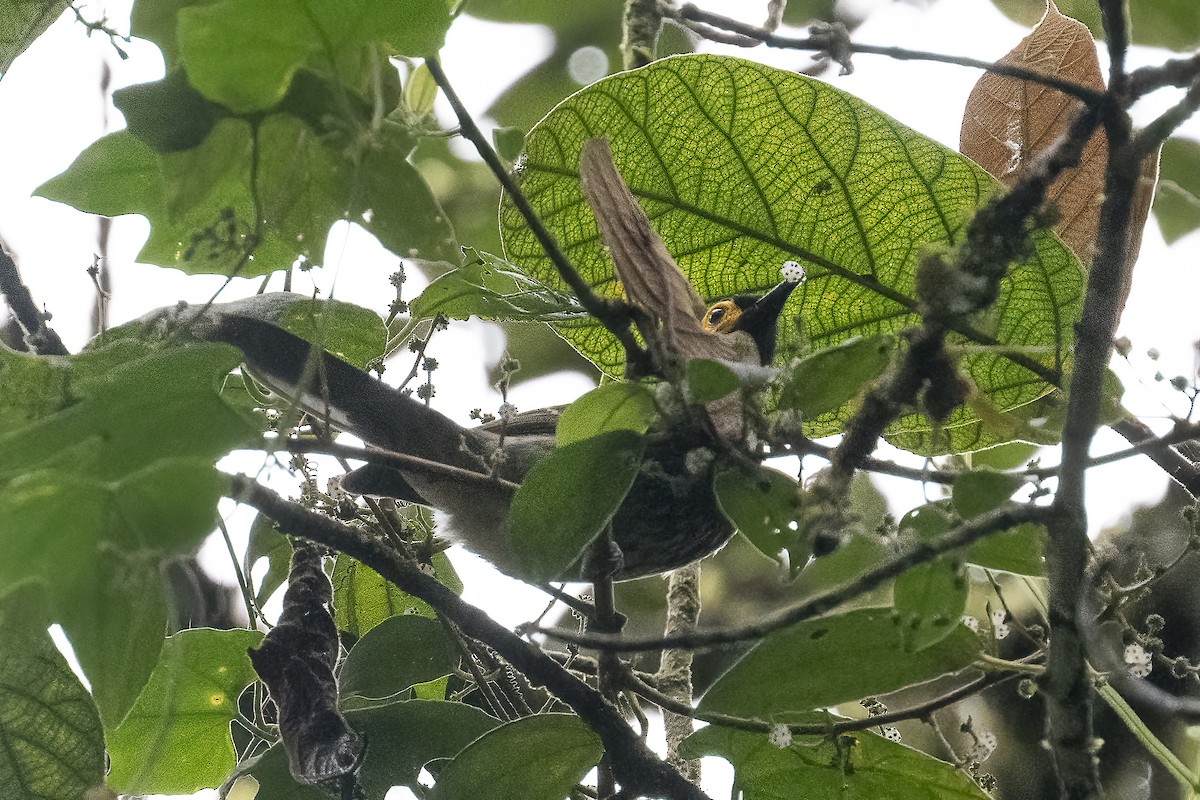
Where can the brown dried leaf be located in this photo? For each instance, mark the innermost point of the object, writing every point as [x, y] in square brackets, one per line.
[1007, 122]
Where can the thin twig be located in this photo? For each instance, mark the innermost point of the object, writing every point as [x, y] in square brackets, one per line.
[690, 13]
[1000, 519]
[614, 315]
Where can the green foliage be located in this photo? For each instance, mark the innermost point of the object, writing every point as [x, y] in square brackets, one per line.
[766, 507]
[857, 204]
[176, 737]
[829, 378]
[54, 744]
[708, 380]
[362, 599]
[394, 655]
[831, 660]
[24, 21]
[930, 597]
[490, 288]
[278, 119]
[1177, 199]
[498, 763]
[856, 766]
[1172, 24]
[567, 499]
[267, 542]
[112, 478]
[612, 407]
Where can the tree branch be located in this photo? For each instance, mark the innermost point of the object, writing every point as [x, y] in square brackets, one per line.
[995, 521]
[613, 314]
[38, 336]
[636, 767]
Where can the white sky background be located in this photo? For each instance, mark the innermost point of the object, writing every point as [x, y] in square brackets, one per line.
[52, 111]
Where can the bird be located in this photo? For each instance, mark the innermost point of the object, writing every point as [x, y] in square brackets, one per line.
[669, 518]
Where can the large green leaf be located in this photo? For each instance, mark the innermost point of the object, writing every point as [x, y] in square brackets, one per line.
[858, 766]
[22, 21]
[202, 203]
[397, 653]
[114, 475]
[176, 738]
[498, 763]
[566, 500]
[53, 742]
[243, 53]
[1158, 23]
[843, 657]
[741, 167]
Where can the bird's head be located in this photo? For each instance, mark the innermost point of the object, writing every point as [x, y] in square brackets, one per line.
[757, 316]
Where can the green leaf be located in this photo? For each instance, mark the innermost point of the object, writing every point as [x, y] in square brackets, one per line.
[509, 142]
[498, 763]
[844, 657]
[168, 115]
[390, 199]
[979, 491]
[127, 415]
[734, 203]
[611, 407]
[799, 13]
[1177, 199]
[362, 599]
[567, 499]
[1020, 550]
[205, 217]
[421, 91]
[32, 387]
[117, 174]
[930, 599]
[54, 744]
[97, 493]
[155, 21]
[1173, 24]
[98, 547]
[25, 21]
[176, 738]
[829, 378]
[766, 507]
[267, 542]
[859, 766]
[1004, 456]
[394, 655]
[405, 736]
[490, 288]
[709, 380]
[243, 53]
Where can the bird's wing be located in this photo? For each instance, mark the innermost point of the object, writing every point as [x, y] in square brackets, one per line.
[651, 278]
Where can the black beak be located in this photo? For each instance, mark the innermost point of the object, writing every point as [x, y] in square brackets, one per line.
[760, 319]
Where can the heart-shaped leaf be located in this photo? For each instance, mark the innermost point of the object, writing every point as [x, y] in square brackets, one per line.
[741, 167]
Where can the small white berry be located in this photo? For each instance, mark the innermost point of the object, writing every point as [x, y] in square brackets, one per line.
[780, 736]
[792, 272]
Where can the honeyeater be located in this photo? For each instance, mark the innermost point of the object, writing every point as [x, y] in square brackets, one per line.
[669, 517]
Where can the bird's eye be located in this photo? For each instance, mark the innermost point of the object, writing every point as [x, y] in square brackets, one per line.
[715, 315]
